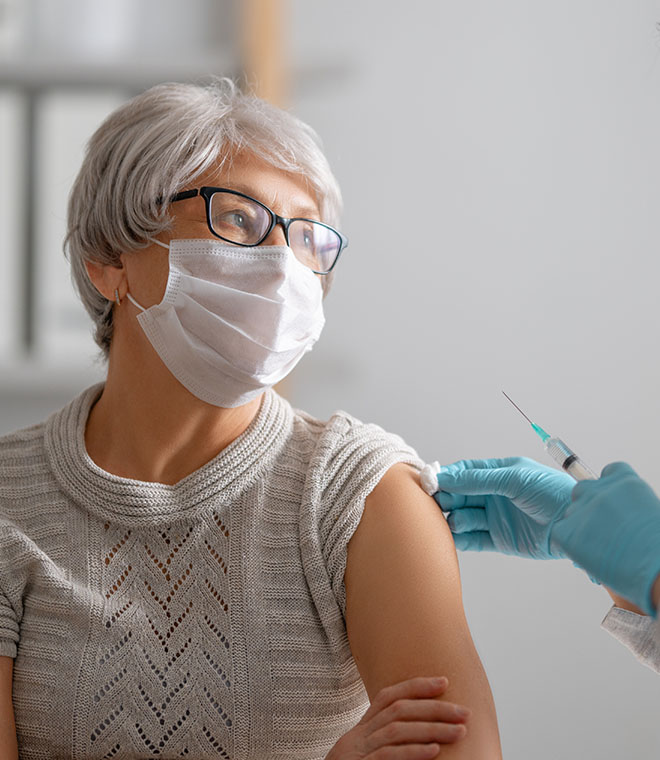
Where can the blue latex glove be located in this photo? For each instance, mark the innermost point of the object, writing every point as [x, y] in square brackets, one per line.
[612, 530]
[504, 505]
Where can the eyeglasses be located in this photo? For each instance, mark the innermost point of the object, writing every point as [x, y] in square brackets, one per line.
[242, 220]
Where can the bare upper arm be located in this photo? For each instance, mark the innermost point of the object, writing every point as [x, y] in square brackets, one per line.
[8, 745]
[404, 609]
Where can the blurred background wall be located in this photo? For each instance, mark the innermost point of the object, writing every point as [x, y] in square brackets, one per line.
[500, 164]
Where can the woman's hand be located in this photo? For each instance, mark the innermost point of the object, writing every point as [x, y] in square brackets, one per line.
[404, 722]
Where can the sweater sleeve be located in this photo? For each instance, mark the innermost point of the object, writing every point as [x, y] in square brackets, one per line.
[355, 457]
[639, 633]
[9, 609]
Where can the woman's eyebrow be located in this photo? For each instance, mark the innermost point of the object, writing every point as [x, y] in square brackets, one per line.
[301, 208]
[307, 212]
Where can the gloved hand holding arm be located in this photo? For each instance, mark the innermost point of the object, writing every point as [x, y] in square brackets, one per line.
[610, 527]
[504, 505]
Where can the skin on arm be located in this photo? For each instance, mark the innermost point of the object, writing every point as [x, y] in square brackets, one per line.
[404, 610]
[622, 603]
[8, 743]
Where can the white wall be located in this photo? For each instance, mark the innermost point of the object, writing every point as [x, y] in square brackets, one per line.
[501, 170]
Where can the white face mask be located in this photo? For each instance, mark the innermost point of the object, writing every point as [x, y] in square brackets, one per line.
[233, 321]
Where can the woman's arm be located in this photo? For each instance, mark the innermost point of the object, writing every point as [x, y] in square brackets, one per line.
[404, 611]
[8, 743]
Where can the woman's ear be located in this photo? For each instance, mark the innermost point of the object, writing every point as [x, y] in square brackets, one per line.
[107, 279]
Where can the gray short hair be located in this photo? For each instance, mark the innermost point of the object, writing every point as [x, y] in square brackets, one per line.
[153, 146]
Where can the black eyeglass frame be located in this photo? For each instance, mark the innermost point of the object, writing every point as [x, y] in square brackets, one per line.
[207, 193]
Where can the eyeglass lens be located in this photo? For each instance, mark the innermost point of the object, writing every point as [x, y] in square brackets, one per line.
[243, 221]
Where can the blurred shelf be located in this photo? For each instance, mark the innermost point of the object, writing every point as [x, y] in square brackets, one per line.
[46, 73]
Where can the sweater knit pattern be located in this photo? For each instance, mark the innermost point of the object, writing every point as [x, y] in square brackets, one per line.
[203, 619]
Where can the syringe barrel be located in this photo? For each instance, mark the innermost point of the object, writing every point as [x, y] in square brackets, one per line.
[579, 470]
[568, 460]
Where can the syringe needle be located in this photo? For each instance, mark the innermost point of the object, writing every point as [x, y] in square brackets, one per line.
[519, 409]
[568, 460]
[537, 428]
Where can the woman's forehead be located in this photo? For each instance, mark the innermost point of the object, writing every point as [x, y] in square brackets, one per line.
[287, 193]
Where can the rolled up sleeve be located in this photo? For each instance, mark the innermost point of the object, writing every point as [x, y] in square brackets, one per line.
[639, 633]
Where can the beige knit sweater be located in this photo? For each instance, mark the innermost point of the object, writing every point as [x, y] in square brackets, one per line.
[200, 620]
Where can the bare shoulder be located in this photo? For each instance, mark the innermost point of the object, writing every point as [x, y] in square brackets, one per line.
[402, 520]
[399, 494]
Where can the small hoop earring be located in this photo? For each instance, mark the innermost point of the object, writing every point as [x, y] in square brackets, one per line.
[117, 298]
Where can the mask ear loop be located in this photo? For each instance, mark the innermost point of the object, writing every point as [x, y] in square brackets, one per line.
[128, 295]
[157, 242]
[134, 302]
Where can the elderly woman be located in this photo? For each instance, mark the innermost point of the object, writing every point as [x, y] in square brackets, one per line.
[188, 566]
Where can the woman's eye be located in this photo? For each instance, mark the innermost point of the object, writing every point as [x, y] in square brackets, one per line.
[236, 219]
[308, 239]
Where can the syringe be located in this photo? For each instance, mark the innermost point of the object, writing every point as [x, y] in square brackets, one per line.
[566, 458]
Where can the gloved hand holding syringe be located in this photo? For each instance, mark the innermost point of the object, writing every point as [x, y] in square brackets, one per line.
[608, 526]
[567, 459]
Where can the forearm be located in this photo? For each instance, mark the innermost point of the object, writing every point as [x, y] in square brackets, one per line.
[622, 603]
[655, 594]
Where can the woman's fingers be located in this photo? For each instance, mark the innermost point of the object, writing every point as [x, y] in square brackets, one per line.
[406, 752]
[425, 710]
[406, 733]
[413, 688]
[405, 721]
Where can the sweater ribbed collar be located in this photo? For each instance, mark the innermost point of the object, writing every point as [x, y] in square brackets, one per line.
[136, 503]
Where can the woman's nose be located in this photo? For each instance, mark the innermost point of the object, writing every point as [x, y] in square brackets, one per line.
[276, 236]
